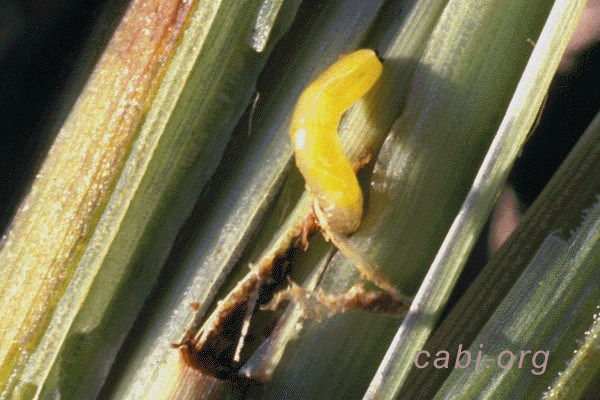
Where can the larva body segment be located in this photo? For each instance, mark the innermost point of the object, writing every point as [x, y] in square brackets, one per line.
[329, 175]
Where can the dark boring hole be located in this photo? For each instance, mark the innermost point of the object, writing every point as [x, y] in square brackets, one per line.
[216, 356]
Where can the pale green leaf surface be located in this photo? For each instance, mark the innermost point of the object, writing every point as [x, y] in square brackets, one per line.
[557, 211]
[548, 309]
[453, 253]
[203, 92]
[577, 379]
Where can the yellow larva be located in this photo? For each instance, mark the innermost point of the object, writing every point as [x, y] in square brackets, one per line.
[329, 175]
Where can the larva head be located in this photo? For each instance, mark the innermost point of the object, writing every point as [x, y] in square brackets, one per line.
[349, 78]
